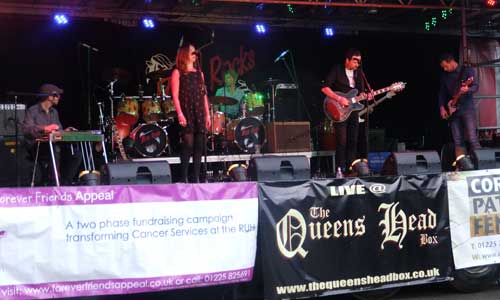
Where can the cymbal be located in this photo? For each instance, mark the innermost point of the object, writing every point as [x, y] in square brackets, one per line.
[221, 100]
[155, 75]
[272, 81]
[118, 74]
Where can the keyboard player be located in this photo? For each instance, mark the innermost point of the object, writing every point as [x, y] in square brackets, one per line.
[40, 120]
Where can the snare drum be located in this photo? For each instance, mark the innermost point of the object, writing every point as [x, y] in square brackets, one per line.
[150, 140]
[151, 110]
[248, 134]
[218, 123]
[128, 111]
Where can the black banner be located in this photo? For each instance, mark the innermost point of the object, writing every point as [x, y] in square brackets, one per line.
[347, 235]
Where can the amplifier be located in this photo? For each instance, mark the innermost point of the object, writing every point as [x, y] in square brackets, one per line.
[288, 137]
[8, 116]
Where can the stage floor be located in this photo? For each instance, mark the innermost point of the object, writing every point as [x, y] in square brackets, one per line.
[241, 157]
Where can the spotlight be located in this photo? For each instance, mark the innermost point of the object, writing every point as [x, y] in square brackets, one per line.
[491, 3]
[359, 168]
[329, 31]
[61, 19]
[260, 6]
[463, 163]
[148, 23]
[237, 172]
[261, 28]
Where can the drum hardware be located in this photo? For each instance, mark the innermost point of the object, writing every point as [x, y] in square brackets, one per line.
[272, 82]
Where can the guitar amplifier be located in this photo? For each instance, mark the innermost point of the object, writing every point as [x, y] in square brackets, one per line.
[9, 114]
[288, 137]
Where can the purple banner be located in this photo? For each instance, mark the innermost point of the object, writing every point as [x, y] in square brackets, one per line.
[121, 286]
[85, 195]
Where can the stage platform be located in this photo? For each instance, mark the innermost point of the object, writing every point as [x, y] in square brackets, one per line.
[242, 157]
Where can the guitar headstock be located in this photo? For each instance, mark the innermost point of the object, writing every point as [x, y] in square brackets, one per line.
[397, 86]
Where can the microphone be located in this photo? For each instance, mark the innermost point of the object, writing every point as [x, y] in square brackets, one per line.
[282, 55]
[88, 47]
[181, 42]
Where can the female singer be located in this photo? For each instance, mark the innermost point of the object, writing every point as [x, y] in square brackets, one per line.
[191, 103]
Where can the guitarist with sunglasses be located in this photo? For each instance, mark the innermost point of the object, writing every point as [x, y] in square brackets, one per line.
[458, 83]
[344, 78]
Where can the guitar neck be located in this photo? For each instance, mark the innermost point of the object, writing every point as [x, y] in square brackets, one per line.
[375, 93]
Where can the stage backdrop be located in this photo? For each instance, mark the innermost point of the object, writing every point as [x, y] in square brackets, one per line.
[68, 242]
[35, 51]
[348, 235]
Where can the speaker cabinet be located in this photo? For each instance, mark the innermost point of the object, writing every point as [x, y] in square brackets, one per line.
[9, 115]
[287, 104]
[279, 168]
[486, 158]
[288, 137]
[131, 172]
[412, 162]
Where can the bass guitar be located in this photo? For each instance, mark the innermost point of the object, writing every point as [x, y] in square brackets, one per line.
[339, 113]
[453, 103]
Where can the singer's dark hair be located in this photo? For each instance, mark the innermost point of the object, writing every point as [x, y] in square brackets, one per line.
[446, 57]
[352, 52]
[182, 58]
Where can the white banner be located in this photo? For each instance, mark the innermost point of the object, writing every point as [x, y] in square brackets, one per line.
[474, 204]
[135, 239]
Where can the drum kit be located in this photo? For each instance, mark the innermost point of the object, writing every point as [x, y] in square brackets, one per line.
[142, 123]
[244, 134]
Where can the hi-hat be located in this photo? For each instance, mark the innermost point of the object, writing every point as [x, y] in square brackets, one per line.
[221, 100]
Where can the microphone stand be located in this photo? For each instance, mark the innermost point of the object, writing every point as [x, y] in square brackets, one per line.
[367, 118]
[293, 74]
[205, 150]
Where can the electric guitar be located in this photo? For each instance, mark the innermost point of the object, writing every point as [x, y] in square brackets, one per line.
[119, 141]
[453, 103]
[370, 107]
[339, 113]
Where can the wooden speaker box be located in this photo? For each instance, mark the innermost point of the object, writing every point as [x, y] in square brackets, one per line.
[288, 137]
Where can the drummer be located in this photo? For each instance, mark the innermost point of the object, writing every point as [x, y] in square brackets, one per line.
[230, 90]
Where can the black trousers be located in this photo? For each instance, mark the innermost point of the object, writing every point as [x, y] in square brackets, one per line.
[346, 135]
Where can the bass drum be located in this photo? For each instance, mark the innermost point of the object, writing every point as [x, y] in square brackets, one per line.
[248, 134]
[150, 140]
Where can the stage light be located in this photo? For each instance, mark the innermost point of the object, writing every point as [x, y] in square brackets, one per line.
[329, 31]
[359, 168]
[61, 19]
[463, 163]
[491, 3]
[148, 23]
[261, 28]
[237, 172]
[260, 6]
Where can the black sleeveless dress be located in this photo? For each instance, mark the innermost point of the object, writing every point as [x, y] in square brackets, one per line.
[191, 97]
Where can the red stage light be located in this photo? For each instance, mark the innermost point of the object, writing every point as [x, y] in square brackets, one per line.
[491, 3]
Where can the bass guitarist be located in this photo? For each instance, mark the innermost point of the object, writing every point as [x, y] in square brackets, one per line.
[463, 121]
[343, 78]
